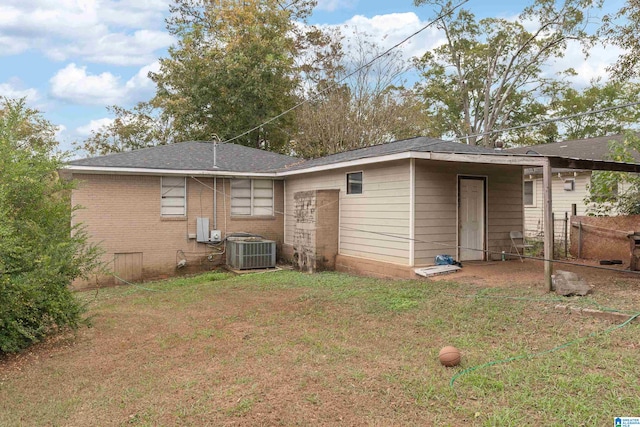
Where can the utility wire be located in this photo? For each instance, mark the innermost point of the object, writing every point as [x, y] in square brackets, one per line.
[333, 85]
[444, 245]
[551, 120]
[477, 135]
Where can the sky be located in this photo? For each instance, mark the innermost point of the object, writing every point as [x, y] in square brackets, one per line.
[71, 59]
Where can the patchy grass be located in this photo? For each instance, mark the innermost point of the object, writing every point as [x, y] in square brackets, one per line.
[286, 348]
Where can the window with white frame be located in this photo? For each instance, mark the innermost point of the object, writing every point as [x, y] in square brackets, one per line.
[529, 193]
[354, 183]
[251, 197]
[173, 196]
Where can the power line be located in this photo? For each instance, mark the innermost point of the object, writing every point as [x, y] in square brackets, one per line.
[444, 245]
[477, 135]
[333, 85]
[551, 120]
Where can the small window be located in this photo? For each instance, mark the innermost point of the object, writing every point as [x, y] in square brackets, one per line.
[569, 184]
[251, 197]
[354, 183]
[173, 200]
[529, 193]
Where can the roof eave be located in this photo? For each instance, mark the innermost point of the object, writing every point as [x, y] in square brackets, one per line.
[586, 164]
[483, 158]
[104, 170]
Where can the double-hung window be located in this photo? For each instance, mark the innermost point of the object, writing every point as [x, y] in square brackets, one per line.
[173, 196]
[251, 197]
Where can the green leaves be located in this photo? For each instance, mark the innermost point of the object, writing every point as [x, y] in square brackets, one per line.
[488, 75]
[40, 252]
[598, 96]
[616, 192]
[232, 69]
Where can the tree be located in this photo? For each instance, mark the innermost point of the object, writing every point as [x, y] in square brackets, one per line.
[40, 252]
[356, 103]
[233, 68]
[622, 29]
[618, 192]
[488, 75]
[598, 96]
[140, 127]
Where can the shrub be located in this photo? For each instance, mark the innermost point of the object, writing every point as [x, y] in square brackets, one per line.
[40, 251]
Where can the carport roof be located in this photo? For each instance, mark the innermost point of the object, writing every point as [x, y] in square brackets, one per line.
[586, 148]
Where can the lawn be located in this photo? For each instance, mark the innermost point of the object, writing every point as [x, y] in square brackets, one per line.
[285, 348]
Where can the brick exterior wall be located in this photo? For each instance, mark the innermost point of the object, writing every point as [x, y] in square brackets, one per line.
[122, 214]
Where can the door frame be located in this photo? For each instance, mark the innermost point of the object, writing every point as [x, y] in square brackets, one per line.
[485, 212]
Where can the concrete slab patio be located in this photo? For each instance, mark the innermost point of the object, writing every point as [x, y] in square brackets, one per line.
[531, 273]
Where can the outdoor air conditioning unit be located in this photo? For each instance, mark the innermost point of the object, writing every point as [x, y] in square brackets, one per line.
[246, 254]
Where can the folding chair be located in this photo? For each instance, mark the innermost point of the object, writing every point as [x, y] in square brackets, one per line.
[518, 243]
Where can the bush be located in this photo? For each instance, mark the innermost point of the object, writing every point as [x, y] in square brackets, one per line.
[40, 251]
[616, 192]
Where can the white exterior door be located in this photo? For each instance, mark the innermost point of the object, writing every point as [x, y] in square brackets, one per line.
[471, 219]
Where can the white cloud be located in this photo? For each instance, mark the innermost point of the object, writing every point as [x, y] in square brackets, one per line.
[116, 48]
[591, 68]
[60, 132]
[93, 125]
[74, 84]
[108, 31]
[15, 90]
[390, 29]
[140, 83]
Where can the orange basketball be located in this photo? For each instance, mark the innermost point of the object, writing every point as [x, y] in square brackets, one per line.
[449, 356]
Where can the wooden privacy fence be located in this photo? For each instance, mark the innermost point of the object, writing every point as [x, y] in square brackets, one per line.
[603, 238]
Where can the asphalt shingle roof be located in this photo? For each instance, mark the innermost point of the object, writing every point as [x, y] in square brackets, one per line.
[588, 148]
[238, 158]
[193, 156]
[418, 144]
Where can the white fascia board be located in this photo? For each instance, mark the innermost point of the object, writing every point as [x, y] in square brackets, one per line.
[450, 157]
[498, 159]
[359, 162]
[101, 170]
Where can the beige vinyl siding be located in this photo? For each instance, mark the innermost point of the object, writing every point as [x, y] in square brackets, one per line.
[436, 206]
[505, 208]
[561, 200]
[366, 219]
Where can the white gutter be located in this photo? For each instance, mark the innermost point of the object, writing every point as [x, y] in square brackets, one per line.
[145, 171]
[452, 157]
[359, 162]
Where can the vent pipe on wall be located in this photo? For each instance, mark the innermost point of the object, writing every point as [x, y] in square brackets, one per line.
[215, 203]
[215, 182]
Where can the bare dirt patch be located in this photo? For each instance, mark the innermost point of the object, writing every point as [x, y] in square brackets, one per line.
[329, 349]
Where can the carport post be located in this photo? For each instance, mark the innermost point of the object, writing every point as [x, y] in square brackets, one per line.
[548, 224]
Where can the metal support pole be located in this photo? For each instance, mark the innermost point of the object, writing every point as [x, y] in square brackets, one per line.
[566, 234]
[548, 225]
